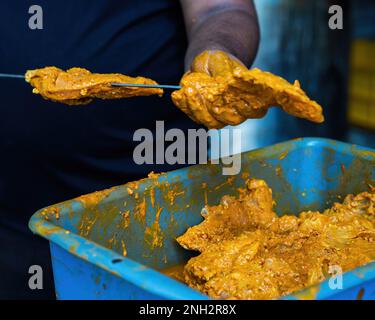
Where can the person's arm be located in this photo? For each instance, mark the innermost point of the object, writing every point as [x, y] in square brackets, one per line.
[227, 25]
[218, 90]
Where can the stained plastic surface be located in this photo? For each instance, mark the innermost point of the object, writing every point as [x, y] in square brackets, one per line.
[89, 235]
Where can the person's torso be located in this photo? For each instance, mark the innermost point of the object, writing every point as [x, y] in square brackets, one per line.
[51, 152]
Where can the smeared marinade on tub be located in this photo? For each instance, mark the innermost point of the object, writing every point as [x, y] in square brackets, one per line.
[78, 86]
[221, 91]
[248, 252]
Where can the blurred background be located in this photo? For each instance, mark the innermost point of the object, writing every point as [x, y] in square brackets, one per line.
[335, 67]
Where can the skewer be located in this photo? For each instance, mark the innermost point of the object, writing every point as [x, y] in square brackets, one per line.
[114, 84]
[157, 86]
[9, 75]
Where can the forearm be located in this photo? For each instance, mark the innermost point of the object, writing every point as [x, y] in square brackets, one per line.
[234, 31]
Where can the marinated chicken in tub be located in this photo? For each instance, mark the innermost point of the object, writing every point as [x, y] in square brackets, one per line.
[248, 252]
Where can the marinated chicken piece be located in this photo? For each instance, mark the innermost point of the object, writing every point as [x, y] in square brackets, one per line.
[79, 86]
[252, 209]
[271, 257]
[220, 91]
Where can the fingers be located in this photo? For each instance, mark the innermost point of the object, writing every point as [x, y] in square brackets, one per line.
[215, 63]
[220, 91]
[201, 63]
[203, 96]
[223, 108]
[191, 99]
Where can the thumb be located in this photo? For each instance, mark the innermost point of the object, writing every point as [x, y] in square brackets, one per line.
[215, 62]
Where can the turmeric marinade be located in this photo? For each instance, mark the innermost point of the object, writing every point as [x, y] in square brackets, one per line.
[218, 91]
[79, 86]
[248, 252]
[221, 91]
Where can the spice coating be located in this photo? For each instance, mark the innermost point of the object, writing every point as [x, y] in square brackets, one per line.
[78, 86]
[221, 91]
[248, 252]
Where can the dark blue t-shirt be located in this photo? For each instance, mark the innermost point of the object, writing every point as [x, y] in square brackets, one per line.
[51, 152]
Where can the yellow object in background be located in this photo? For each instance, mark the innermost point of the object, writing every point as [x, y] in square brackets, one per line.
[361, 109]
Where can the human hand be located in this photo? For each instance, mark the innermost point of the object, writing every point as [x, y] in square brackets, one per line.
[219, 90]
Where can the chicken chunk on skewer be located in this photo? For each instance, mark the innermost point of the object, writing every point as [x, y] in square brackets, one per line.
[78, 86]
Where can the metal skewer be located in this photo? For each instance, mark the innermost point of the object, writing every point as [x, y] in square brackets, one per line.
[157, 86]
[9, 75]
[114, 84]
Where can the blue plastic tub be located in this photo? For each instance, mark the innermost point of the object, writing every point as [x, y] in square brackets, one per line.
[90, 235]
